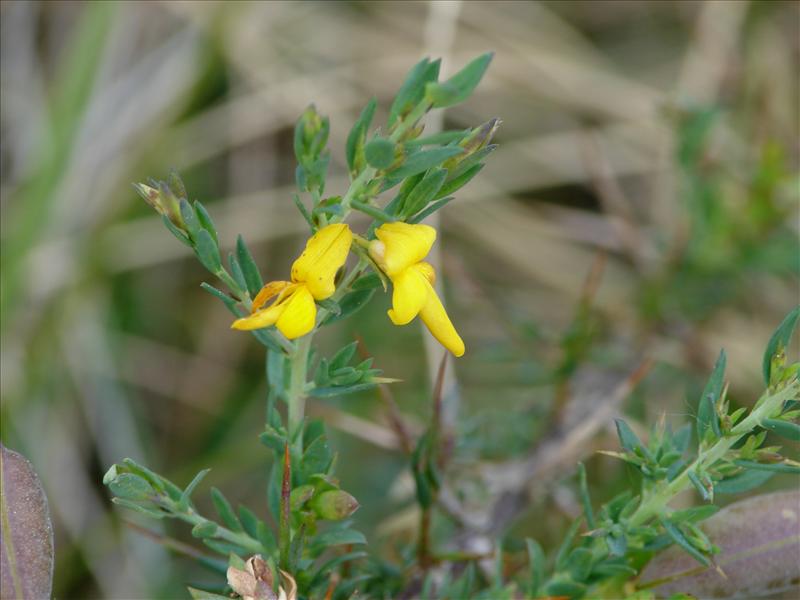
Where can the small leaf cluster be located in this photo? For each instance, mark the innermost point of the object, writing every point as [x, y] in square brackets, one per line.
[336, 377]
[729, 457]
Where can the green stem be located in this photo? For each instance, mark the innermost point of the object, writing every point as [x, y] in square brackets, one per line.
[296, 394]
[240, 539]
[657, 502]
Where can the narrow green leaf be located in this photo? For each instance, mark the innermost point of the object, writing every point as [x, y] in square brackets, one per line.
[684, 542]
[780, 341]
[343, 356]
[148, 511]
[207, 251]
[774, 467]
[131, 487]
[785, 429]
[204, 595]
[354, 149]
[536, 566]
[350, 304]
[461, 85]
[175, 231]
[413, 89]
[372, 211]
[742, 482]
[629, 440]
[187, 493]
[424, 160]
[707, 417]
[456, 183]
[329, 392]
[432, 208]
[225, 511]
[339, 537]
[438, 139]
[252, 275]
[205, 220]
[236, 271]
[423, 192]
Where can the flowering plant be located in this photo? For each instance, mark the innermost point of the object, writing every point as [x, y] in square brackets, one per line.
[312, 551]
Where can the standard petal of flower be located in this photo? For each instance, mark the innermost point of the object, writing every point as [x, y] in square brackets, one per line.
[325, 253]
[408, 296]
[262, 318]
[403, 245]
[270, 290]
[300, 314]
[438, 323]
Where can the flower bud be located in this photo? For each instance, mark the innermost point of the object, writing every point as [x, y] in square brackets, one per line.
[300, 495]
[474, 142]
[162, 198]
[334, 505]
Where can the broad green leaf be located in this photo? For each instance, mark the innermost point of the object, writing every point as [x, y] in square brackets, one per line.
[379, 153]
[205, 529]
[26, 568]
[780, 341]
[131, 487]
[460, 86]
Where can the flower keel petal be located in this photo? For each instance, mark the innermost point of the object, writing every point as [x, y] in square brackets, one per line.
[408, 296]
[299, 316]
[438, 323]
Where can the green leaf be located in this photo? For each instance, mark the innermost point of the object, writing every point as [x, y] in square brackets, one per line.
[207, 251]
[131, 487]
[249, 521]
[566, 544]
[149, 511]
[629, 440]
[579, 563]
[684, 542]
[412, 91]
[236, 271]
[187, 493]
[423, 192]
[461, 85]
[536, 562]
[316, 459]
[586, 500]
[204, 595]
[328, 392]
[456, 183]
[339, 537]
[225, 511]
[379, 153]
[694, 514]
[190, 220]
[350, 304]
[205, 220]
[432, 208]
[424, 160]
[343, 356]
[252, 275]
[229, 302]
[438, 139]
[367, 282]
[774, 467]
[707, 417]
[568, 589]
[780, 341]
[742, 482]
[785, 429]
[702, 488]
[205, 529]
[372, 211]
[354, 149]
[175, 231]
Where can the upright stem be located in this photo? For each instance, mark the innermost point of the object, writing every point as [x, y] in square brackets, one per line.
[296, 399]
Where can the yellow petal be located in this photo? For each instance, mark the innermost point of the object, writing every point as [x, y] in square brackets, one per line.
[402, 245]
[262, 318]
[272, 289]
[409, 294]
[438, 323]
[325, 253]
[300, 314]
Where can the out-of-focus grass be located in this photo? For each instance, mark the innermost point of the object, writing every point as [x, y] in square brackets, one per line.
[659, 135]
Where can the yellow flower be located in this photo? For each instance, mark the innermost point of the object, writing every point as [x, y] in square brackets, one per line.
[294, 312]
[399, 251]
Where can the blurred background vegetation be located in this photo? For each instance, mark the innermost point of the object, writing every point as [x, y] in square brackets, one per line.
[640, 214]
